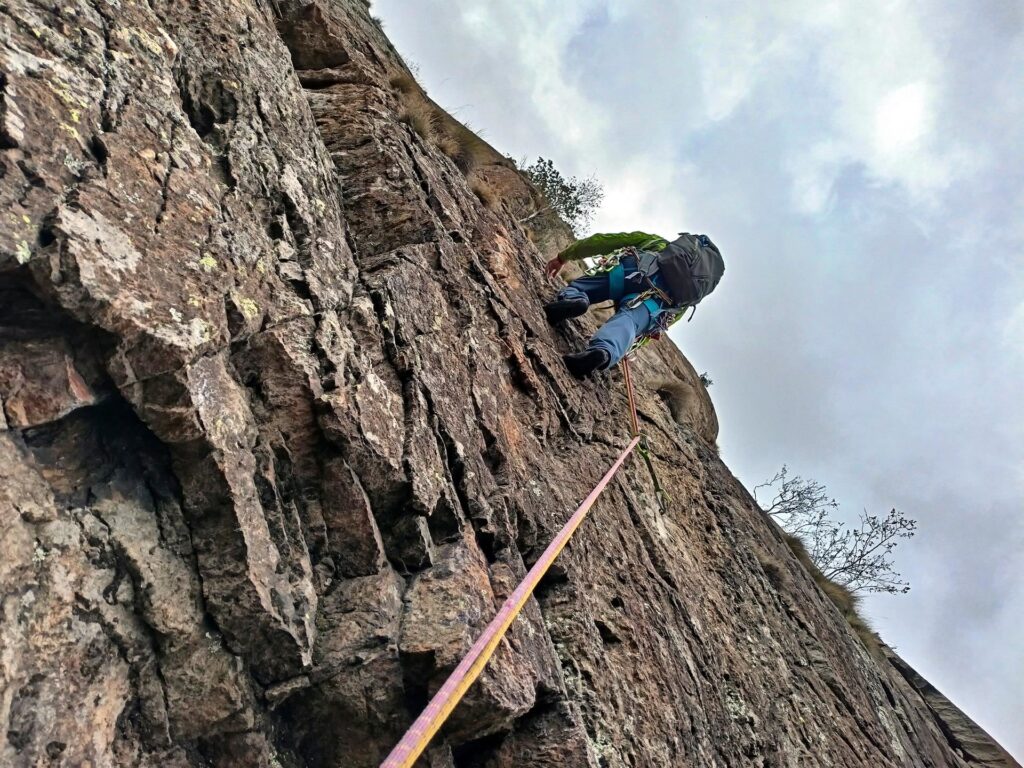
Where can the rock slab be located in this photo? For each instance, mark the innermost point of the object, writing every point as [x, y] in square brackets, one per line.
[281, 425]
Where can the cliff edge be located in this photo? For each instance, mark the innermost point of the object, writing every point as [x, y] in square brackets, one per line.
[281, 424]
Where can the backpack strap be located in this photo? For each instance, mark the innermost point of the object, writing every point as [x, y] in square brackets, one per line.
[616, 282]
[647, 264]
[653, 306]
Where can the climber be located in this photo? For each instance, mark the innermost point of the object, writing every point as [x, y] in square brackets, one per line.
[651, 281]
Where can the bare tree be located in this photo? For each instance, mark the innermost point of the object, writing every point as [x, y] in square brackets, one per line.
[860, 558]
[801, 506]
[575, 200]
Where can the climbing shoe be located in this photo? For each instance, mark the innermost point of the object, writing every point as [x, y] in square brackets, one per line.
[582, 364]
[562, 309]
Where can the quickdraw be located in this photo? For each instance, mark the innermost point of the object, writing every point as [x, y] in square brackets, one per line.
[662, 323]
[608, 262]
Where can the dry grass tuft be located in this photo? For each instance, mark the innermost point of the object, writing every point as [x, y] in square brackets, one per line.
[841, 597]
[470, 151]
[676, 396]
[447, 144]
[404, 83]
[460, 143]
[867, 635]
[421, 117]
[800, 550]
[773, 571]
[485, 192]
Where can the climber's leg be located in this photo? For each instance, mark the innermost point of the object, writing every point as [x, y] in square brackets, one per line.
[575, 298]
[611, 342]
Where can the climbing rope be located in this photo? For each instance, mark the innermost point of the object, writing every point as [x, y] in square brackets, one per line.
[642, 449]
[448, 696]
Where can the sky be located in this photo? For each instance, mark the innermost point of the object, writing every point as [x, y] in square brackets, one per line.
[860, 164]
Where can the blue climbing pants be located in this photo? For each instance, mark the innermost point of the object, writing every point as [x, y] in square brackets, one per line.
[617, 334]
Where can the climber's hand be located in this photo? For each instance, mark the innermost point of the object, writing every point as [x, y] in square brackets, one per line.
[553, 267]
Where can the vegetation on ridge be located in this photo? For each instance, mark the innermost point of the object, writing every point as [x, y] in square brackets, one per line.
[841, 597]
[859, 559]
[841, 561]
[571, 199]
[434, 125]
[574, 200]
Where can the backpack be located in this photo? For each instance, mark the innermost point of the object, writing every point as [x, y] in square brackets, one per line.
[690, 267]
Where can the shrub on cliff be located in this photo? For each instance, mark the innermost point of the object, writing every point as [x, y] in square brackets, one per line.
[858, 559]
[574, 200]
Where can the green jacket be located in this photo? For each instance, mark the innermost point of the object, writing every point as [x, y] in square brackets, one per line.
[599, 245]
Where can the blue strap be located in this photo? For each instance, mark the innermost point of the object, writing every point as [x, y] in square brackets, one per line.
[652, 304]
[616, 282]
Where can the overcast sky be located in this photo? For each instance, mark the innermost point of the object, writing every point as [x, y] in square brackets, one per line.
[861, 167]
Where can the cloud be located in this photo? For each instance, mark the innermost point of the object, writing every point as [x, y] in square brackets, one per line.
[1013, 333]
[902, 117]
[813, 174]
[645, 190]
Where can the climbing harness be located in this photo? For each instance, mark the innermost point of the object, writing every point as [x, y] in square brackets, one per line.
[659, 303]
[448, 696]
[662, 322]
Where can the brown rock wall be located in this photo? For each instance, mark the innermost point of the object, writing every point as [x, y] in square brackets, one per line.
[282, 424]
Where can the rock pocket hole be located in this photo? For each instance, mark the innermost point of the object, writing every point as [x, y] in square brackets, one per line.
[46, 236]
[99, 150]
[55, 749]
[608, 636]
[476, 753]
[417, 669]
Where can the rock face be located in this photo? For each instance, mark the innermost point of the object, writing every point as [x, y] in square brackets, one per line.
[281, 424]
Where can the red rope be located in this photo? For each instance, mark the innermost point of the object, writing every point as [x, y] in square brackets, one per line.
[441, 705]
